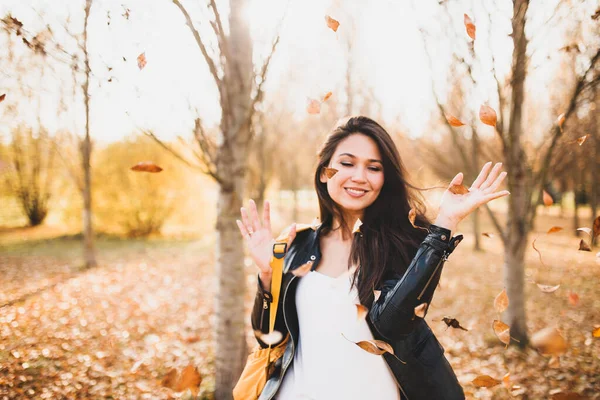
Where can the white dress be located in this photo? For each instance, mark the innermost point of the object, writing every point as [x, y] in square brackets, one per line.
[327, 366]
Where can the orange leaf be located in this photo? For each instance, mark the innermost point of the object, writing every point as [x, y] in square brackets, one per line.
[596, 331]
[458, 189]
[361, 311]
[330, 172]
[501, 301]
[584, 246]
[470, 26]
[189, 378]
[502, 331]
[313, 106]
[547, 198]
[560, 121]
[487, 115]
[420, 310]
[554, 229]
[596, 226]
[332, 23]
[486, 234]
[454, 121]
[412, 215]
[141, 61]
[327, 96]
[2, 97]
[554, 362]
[547, 288]
[506, 381]
[573, 298]
[303, 269]
[485, 381]
[581, 140]
[549, 341]
[146, 166]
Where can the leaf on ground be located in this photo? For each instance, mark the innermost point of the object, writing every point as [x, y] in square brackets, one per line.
[554, 362]
[487, 115]
[189, 378]
[501, 301]
[361, 311]
[485, 381]
[547, 199]
[453, 121]
[584, 246]
[453, 322]
[332, 23]
[549, 341]
[573, 298]
[596, 332]
[146, 166]
[502, 331]
[506, 381]
[303, 269]
[548, 288]
[458, 189]
[567, 396]
[470, 26]
[420, 310]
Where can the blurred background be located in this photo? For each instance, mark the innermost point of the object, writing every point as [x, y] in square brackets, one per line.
[132, 131]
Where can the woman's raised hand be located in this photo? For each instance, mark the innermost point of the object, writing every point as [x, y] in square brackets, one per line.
[258, 236]
[454, 207]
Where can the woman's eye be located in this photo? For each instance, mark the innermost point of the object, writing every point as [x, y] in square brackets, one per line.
[345, 164]
[375, 168]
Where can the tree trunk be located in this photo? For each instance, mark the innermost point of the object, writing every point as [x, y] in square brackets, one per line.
[518, 182]
[476, 214]
[595, 176]
[86, 152]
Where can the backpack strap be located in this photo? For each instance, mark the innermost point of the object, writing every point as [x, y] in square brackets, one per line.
[279, 250]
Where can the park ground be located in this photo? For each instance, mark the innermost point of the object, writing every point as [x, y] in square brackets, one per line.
[115, 331]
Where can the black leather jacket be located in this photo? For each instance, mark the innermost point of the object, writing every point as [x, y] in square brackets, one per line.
[427, 374]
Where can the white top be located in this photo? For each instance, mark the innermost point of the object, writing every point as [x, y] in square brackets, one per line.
[326, 366]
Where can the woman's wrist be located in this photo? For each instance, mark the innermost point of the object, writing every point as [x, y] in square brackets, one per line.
[265, 280]
[445, 222]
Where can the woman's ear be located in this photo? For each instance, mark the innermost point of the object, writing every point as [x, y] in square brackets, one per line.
[322, 176]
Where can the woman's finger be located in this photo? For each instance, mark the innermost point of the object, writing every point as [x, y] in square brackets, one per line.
[243, 230]
[494, 196]
[457, 180]
[267, 215]
[492, 176]
[482, 175]
[291, 235]
[246, 220]
[256, 225]
[497, 182]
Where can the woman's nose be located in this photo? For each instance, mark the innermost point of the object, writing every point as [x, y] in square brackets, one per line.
[359, 175]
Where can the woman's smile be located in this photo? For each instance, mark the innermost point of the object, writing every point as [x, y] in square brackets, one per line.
[357, 193]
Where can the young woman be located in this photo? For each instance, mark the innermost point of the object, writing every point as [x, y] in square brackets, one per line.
[360, 176]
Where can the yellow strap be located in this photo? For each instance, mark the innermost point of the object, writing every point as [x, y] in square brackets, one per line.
[279, 250]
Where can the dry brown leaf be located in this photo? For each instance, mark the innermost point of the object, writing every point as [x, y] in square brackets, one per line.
[420, 310]
[412, 215]
[303, 269]
[539, 253]
[361, 311]
[549, 341]
[146, 166]
[596, 331]
[487, 115]
[313, 106]
[376, 295]
[470, 26]
[501, 301]
[357, 226]
[383, 346]
[332, 23]
[189, 378]
[581, 140]
[269, 338]
[458, 189]
[547, 288]
[370, 347]
[567, 396]
[573, 298]
[486, 234]
[141, 61]
[453, 322]
[584, 246]
[330, 172]
[560, 121]
[547, 198]
[554, 229]
[2, 97]
[596, 226]
[452, 120]
[485, 381]
[554, 362]
[506, 381]
[502, 331]
[327, 96]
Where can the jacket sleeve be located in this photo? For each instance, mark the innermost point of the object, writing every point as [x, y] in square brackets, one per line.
[393, 314]
[261, 314]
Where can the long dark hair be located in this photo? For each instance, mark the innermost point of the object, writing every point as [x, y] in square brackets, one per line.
[387, 242]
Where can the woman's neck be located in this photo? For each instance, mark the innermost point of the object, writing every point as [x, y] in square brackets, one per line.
[343, 233]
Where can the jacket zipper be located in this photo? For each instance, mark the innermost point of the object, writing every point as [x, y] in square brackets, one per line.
[444, 258]
[262, 314]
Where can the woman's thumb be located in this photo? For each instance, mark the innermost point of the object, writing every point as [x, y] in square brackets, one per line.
[291, 235]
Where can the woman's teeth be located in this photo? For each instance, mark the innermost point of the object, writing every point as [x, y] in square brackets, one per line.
[355, 192]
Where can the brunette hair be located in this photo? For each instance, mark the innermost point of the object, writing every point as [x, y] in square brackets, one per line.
[387, 241]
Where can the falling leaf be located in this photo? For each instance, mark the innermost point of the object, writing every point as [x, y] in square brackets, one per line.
[452, 322]
[596, 331]
[303, 269]
[146, 166]
[554, 229]
[376, 295]
[369, 347]
[501, 301]
[189, 378]
[330, 172]
[141, 61]
[573, 298]
[269, 338]
[327, 96]
[470, 26]
[549, 341]
[547, 288]
[539, 253]
[332, 23]
[560, 121]
[487, 115]
[596, 226]
[586, 230]
[315, 223]
[2, 97]
[357, 226]
[361, 311]
[313, 106]
[420, 310]
[458, 189]
[547, 198]
[581, 140]
[383, 346]
[584, 246]
[502, 331]
[485, 381]
[489, 235]
[412, 215]
[454, 121]
[506, 381]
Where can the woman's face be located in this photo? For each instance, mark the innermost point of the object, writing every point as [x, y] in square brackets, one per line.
[359, 179]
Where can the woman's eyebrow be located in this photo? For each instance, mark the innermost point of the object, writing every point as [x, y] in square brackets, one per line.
[353, 156]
